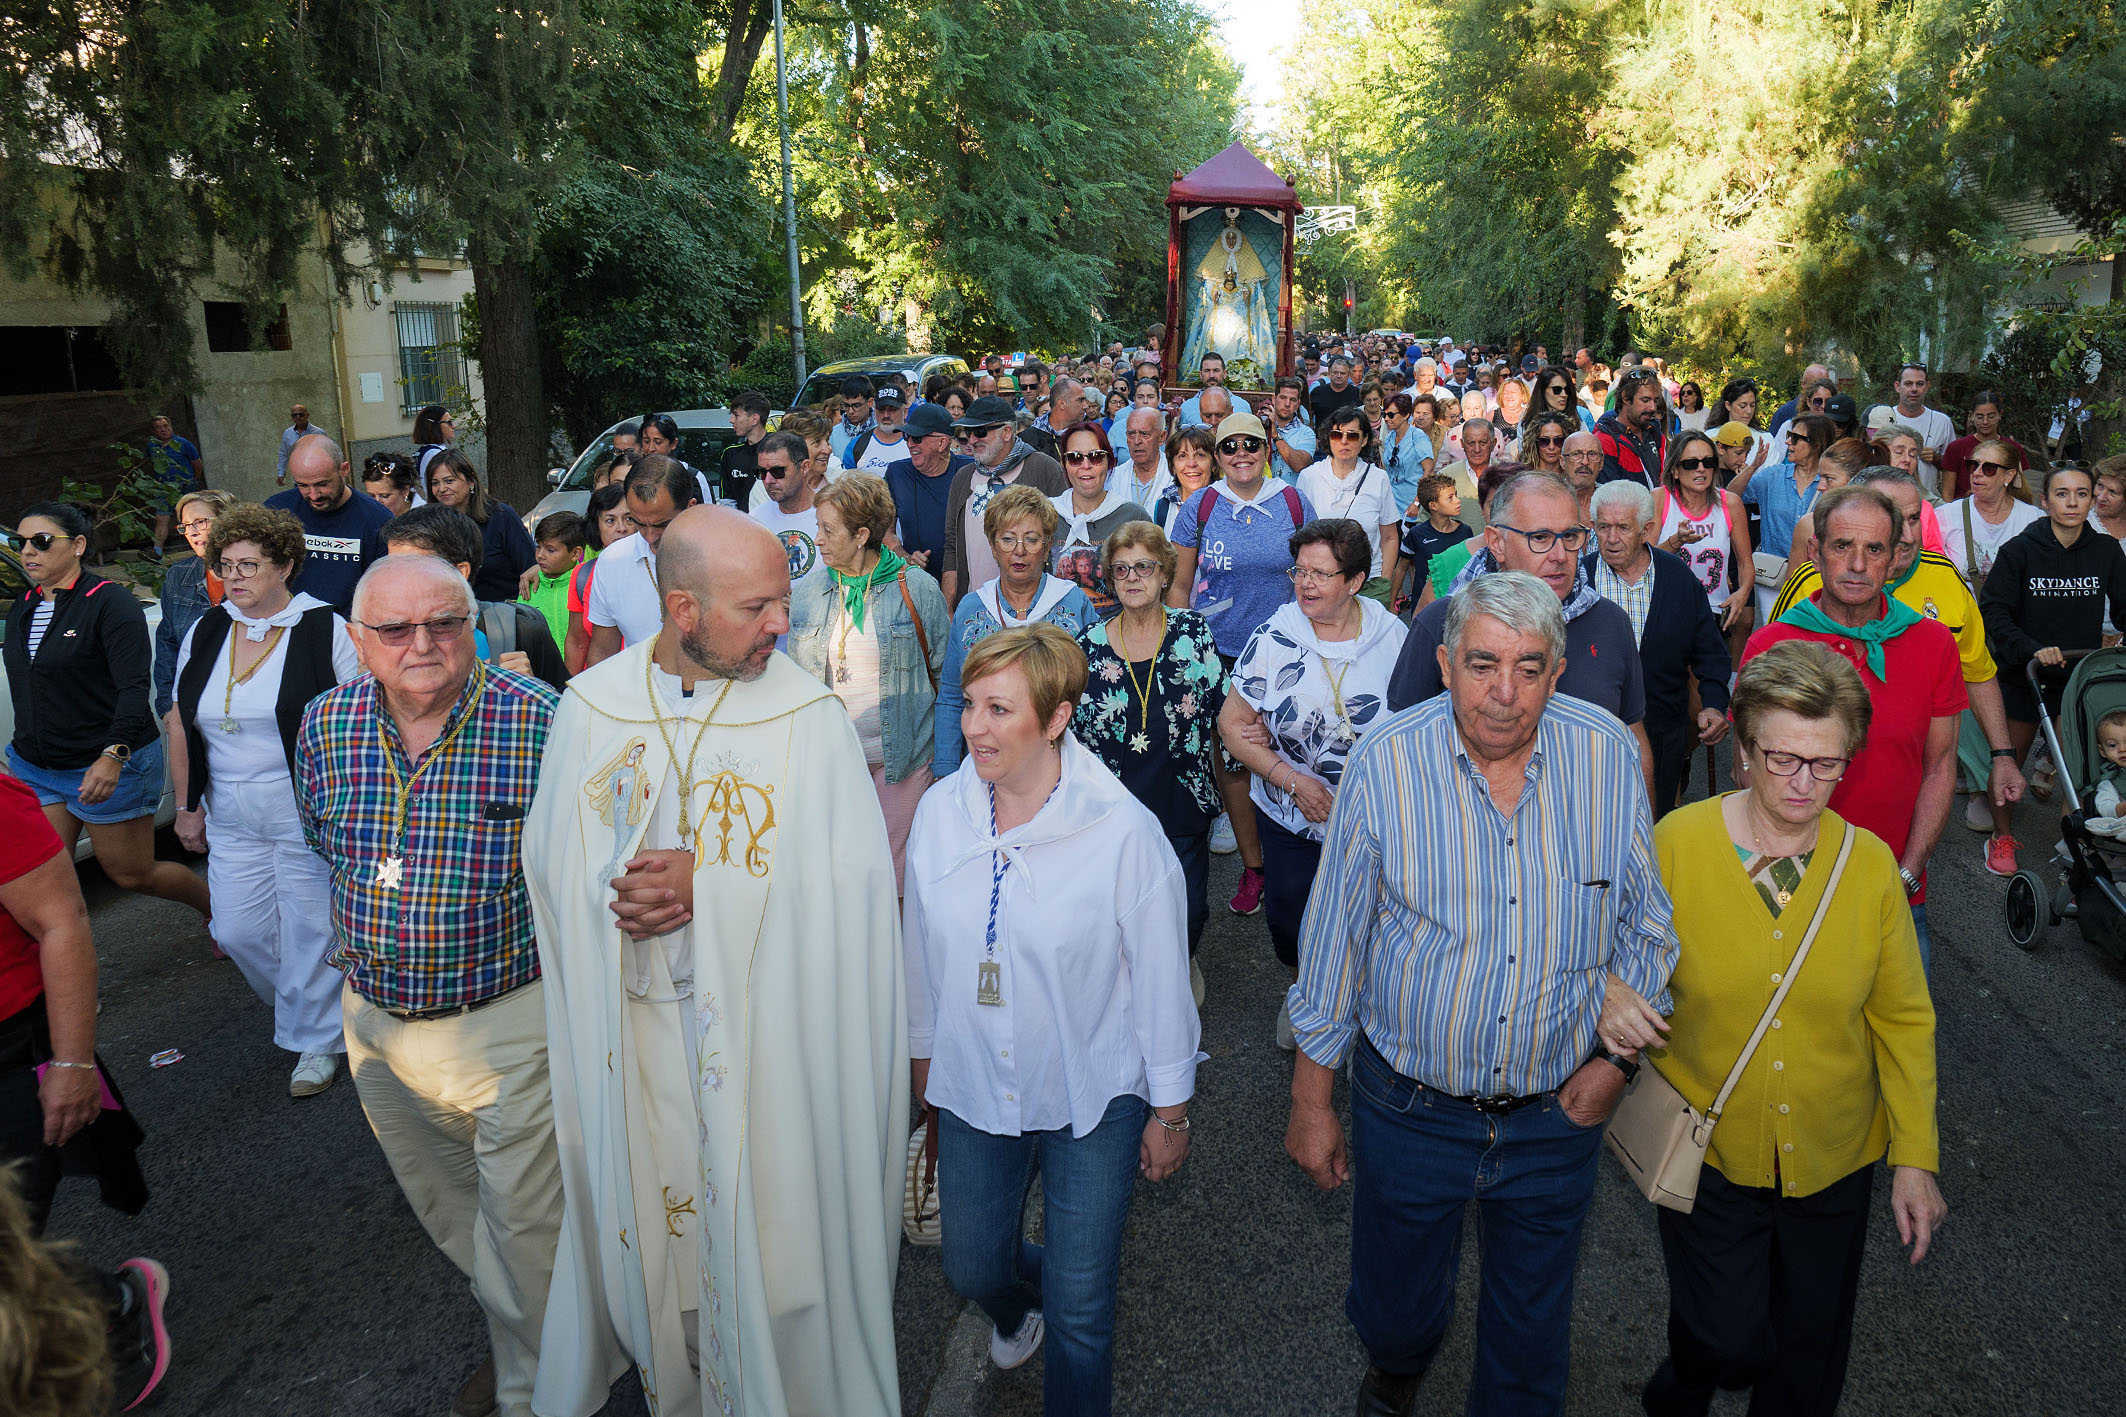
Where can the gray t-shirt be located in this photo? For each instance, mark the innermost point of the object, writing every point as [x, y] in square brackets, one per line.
[1601, 661]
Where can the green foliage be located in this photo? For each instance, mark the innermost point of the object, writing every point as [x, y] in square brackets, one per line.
[124, 507]
[771, 369]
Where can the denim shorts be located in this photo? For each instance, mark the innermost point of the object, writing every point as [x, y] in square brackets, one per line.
[138, 793]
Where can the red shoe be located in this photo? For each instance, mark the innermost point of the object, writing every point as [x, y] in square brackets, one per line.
[1248, 899]
[2000, 854]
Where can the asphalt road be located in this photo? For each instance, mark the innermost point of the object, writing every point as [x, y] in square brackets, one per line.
[301, 1283]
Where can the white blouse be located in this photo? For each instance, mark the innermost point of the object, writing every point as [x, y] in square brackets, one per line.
[1090, 958]
[1367, 497]
[252, 750]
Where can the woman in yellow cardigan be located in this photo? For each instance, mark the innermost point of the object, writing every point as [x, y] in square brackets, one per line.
[1762, 1274]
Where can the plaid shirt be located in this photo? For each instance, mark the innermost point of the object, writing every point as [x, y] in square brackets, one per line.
[459, 927]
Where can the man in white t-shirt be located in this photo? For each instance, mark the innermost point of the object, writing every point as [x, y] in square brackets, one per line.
[1936, 429]
[884, 444]
[624, 607]
[788, 510]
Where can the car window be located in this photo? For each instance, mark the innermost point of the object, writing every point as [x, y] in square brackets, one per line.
[700, 448]
[818, 389]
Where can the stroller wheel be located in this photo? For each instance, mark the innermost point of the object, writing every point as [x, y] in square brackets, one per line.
[2026, 909]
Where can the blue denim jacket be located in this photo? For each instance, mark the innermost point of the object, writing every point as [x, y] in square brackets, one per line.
[184, 600]
[972, 623]
[906, 700]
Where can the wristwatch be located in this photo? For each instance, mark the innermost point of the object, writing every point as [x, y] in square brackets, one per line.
[1623, 1064]
[119, 753]
[1911, 881]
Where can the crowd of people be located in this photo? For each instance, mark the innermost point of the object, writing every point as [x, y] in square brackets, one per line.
[888, 758]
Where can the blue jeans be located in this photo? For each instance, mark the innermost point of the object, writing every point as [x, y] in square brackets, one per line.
[1419, 1158]
[1194, 854]
[1086, 1184]
[1289, 865]
[1926, 946]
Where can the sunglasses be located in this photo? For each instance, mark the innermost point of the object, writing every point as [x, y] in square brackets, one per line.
[1555, 440]
[774, 474]
[1245, 443]
[962, 435]
[441, 630]
[1696, 464]
[1346, 435]
[1800, 438]
[41, 540]
[1080, 458]
[1978, 465]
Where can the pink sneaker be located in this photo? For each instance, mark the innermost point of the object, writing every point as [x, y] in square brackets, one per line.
[1248, 899]
[2000, 854]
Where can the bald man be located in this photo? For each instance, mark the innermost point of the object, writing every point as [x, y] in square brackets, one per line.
[343, 527]
[705, 816]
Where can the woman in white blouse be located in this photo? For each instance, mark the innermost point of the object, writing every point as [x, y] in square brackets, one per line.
[1973, 528]
[246, 671]
[1347, 484]
[1049, 1017]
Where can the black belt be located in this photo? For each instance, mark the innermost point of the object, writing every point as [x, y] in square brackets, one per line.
[425, 1015]
[1497, 1105]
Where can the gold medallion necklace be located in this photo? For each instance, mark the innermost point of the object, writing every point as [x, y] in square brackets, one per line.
[1151, 677]
[687, 784]
[228, 694]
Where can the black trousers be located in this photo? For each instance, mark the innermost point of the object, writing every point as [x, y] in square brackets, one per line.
[24, 1042]
[1760, 1295]
[1672, 741]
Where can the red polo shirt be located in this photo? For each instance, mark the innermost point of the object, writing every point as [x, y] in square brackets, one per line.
[1926, 682]
[27, 841]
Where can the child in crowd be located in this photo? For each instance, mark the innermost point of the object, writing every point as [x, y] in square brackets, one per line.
[2107, 813]
[1439, 527]
[559, 552]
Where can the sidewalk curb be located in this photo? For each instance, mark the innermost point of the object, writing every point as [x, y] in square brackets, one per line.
[964, 1366]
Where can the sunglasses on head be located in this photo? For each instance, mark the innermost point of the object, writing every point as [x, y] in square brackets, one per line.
[1244, 443]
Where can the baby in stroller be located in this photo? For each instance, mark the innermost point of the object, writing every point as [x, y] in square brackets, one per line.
[2107, 816]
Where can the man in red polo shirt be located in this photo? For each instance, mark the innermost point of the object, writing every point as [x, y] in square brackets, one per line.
[1900, 785]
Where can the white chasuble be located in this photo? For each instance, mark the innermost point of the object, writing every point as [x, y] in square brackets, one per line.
[731, 1099]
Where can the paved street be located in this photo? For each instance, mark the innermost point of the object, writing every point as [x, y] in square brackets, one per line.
[302, 1285]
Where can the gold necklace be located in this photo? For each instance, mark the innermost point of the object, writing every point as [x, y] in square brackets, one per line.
[228, 693]
[1151, 677]
[388, 870]
[686, 774]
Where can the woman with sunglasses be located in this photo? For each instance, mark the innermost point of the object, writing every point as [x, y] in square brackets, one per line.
[1784, 492]
[245, 673]
[1405, 451]
[1691, 411]
[1150, 710]
[1985, 425]
[1090, 511]
[1543, 438]
[1998, 507]
[506, 548]
[1708, 527]
[1555, 392]
[80, 676]
[1249, 520]
[1348, 484]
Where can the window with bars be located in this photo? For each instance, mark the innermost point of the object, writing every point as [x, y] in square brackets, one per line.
[431, 362]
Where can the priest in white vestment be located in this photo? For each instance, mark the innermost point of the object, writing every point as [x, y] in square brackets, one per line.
[729, 1049]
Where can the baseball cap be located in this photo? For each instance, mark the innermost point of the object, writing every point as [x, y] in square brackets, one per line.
[927, 418]
[1528, 364]
[1243, 424]
[1732, 435]
[985, 412]
[1841, 409]
[1881, 418]
[891, 393]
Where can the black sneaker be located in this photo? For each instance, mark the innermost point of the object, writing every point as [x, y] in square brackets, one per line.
[140, 1345]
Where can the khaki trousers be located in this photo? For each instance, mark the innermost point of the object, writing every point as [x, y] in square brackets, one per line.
[464, 1112]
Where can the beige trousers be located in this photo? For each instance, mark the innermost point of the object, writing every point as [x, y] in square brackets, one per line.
[465, 1115]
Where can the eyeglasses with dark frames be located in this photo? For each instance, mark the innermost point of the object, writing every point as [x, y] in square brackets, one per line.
[1572, 538]
[1787, 764]
[441, 630]
[1696, 464]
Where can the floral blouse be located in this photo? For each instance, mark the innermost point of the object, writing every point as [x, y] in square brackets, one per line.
[1162, 750]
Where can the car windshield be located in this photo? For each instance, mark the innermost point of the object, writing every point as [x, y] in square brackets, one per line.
[700, 448]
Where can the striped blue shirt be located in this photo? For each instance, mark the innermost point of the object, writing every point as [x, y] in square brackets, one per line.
[1473, 947]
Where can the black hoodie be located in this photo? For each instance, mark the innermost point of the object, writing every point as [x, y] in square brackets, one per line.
[2041, 594]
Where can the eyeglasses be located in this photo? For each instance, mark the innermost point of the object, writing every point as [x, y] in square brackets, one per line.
[1132, 570]
[195, 524]
[1555, 440]
[1346, 435]
[1572, 538]
[962, 435]
[1026, 541]
[1787, 764]
[1080, 457]
[1800, 438]
[1978, 465]
[41, 540]
[441, 630]
[1307, 575]
[1583, 455]
[237, 570]
[1696, 464]
[1244, 443]
[1824, 402]
[774, 474]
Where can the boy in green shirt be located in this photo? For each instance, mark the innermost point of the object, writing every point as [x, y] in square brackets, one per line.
[559, 552]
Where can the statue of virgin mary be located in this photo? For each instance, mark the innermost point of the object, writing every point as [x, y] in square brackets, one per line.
[1235, 309]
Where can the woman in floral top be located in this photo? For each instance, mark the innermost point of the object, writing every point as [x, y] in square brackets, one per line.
[1150, 709]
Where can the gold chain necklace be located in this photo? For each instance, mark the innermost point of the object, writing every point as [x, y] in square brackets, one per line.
[387, 871]
[1151, 673]
[228, 694]
[686, 773]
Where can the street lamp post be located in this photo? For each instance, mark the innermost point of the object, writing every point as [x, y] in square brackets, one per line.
[789, 205]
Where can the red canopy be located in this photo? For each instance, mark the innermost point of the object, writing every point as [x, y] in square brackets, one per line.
[1234, 178]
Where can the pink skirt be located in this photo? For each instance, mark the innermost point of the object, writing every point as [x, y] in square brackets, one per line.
[897, 800]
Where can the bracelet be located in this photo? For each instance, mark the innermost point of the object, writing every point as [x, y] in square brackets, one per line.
[58, 1063]
[1911, 881]
[2004, 752]
[1180, 1126]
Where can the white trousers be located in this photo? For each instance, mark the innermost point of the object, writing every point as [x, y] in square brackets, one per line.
[273, 912]
[464, 1111]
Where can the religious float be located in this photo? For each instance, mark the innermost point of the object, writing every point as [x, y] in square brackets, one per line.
[1231, 227]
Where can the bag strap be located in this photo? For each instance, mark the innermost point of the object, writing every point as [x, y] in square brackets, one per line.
[1786, 982]
[1970, 546]
[922, 636]
[1291, 503]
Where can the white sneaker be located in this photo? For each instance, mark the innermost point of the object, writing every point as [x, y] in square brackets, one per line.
[314, 1072]
[1223, 842]
[1010, 1352]
[1978, 815]
[1195, 982]
[1286, 1038]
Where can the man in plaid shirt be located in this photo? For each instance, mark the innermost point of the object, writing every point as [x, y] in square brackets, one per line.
[413, 784]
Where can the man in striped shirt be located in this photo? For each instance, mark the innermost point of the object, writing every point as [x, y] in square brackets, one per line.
[413, 782]
[1489, 878]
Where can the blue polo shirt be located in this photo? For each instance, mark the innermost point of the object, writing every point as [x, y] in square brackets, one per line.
[1779, 507]
[1302, 439]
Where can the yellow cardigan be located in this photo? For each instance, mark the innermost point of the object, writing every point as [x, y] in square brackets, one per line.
[1847, 1067]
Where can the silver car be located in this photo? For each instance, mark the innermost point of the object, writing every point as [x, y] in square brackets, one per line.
[704, 434]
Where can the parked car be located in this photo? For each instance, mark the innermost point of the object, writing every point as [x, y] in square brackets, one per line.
[14, 585]
[825, 382]
[704, 433]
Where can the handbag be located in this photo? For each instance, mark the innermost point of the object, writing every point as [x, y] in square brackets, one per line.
[1659, 1137]
[1771, 570]
[919, 1197]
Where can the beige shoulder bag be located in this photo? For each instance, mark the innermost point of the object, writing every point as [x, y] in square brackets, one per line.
[1660, 1138]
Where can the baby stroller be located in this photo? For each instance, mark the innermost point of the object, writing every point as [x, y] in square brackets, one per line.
[2087, 891]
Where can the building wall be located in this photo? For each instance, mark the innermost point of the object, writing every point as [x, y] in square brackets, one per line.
[374, 389]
